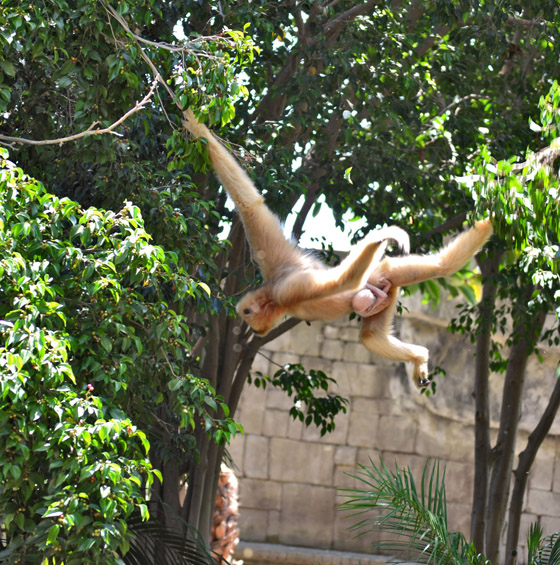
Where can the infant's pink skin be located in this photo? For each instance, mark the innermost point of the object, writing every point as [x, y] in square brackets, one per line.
[371, 300]
[363, 302]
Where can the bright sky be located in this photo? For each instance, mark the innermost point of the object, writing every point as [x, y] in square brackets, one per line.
[323, 225]
[319, 226]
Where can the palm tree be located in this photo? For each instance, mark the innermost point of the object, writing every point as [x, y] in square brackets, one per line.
[391, 501]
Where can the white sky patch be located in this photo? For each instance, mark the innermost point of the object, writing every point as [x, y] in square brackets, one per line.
[324, 225]
[315, 228]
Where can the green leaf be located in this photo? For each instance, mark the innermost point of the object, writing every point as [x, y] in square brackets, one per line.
[53, 534]
[205, 287]
[174, 384]
[210, 402]
[8, 68]
[15, 471]
[144, 513]
[19, 520]
[106, 343]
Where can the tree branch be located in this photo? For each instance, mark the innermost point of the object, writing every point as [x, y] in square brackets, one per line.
[272, 104]
[544, 156]
[527, 333]
[252, 349]
[521, 474]
[524, 23]
[333, 27]
[9, 140]
[450, 224]
[156, 73]
[489, 269]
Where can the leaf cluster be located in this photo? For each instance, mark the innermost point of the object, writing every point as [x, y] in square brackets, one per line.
[303, 387]
[522, 197]
[417, 514]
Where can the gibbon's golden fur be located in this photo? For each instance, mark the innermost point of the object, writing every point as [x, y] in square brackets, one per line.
[291, 276]
[297, 284]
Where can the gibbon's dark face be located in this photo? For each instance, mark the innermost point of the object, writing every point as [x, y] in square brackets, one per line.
[258, 311]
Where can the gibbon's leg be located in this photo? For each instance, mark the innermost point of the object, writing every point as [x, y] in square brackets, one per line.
[402, 271]
[375, 335]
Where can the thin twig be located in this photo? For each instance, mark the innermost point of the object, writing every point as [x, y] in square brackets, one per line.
[170, 366]
[9, 140]
[156, 73]
[269, 359]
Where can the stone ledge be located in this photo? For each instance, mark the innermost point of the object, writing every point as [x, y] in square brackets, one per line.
[253, 553]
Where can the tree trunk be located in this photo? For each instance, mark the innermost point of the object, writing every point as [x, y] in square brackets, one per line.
[521, 474]
[525, 333]
[482, 453]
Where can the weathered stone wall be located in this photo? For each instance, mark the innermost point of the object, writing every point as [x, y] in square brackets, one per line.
[290, 476]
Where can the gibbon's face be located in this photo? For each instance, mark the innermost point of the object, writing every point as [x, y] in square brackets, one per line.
[257, 310]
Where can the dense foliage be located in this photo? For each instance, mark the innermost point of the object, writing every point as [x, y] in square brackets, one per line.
[86, 334]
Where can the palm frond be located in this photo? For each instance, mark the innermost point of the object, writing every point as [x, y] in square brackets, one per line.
[155, 543]
[391, 501]
[534, 541]
[542, 550]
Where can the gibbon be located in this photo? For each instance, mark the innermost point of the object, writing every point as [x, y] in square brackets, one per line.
[299, 285]
[291, 276]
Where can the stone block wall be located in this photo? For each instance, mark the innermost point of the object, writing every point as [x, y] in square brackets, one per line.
[291, 477]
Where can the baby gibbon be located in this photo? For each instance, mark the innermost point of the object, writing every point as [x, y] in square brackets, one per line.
[297, 284]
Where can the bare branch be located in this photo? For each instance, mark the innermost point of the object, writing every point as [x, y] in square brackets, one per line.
[168, 363]
[461, 100]
[9, 140]
[452, 223]
[544, 157]
[331, 4]
[526, 460]
[336, 25]
[156, 73]
[524, 23]
[258, 342]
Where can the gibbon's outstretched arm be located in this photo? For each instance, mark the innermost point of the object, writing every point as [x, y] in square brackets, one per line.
[290, 275]
[403, 271]
[270, 249]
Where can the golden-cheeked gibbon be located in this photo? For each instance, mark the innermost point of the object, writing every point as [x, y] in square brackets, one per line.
[297, 284]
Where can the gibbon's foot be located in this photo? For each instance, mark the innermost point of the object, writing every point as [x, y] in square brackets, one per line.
[420, 376]
[371, 300]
